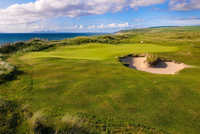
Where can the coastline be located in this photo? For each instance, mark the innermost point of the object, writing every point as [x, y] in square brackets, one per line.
[7, 38]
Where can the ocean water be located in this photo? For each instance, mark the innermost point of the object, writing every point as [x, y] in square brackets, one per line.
[15, 37]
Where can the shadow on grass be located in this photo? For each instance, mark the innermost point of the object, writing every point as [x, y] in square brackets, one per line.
[11, 76]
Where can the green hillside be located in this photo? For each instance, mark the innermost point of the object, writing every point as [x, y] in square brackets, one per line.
[79, 86]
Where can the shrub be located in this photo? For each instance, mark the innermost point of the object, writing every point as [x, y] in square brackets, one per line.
[32, 45]
[152, 59]
[39, 124]
[9, 117]
[11, 47]
[7, 71]
[111, 39]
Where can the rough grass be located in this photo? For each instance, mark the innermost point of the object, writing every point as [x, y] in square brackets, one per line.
[10, 117]
[152, 59]
[7, 71]
[88, 79]
[22, 47]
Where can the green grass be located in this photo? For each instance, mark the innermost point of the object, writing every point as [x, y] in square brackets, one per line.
[100, 51]
[89, 79]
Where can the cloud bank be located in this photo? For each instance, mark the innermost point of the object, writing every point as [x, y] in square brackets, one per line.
[28, 16]
[112, 26]
[43, 9]
[184, 5]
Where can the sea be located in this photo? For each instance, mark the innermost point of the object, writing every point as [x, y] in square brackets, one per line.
[16, 37]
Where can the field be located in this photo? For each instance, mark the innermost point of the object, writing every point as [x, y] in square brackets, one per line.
[88, 79]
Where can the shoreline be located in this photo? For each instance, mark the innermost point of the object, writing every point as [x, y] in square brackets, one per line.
[23, 37]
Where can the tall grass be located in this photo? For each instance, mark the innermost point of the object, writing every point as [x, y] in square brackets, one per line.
[152, 59]
[10, 117]
[39, 124]
[32, 45]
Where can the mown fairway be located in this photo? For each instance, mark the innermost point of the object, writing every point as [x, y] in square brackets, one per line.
[90, 79]
[100, 51]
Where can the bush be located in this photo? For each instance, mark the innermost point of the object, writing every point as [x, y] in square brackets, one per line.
[32, 45]
[39, 124]
[9, 117]
[111, 39]
[152, 59]
[7, 71]
[11, 47]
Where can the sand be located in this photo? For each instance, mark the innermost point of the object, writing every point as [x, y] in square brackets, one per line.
[140, 63]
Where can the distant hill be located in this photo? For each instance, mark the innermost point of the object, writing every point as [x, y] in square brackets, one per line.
[193, 28]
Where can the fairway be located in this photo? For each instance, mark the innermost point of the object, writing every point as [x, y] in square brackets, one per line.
[89, 80]
[101, 51]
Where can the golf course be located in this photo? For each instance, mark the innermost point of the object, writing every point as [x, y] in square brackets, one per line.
[79, 85]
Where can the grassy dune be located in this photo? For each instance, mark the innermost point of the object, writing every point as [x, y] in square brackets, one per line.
[88, 79]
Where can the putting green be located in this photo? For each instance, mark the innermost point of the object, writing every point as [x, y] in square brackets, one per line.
[100, 51]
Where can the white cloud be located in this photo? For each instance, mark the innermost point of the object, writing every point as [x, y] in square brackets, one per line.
[114, 25]
[184, 5]
[185, 21]
[100, 26]
[32, 16]
[80, 27]
[141, 3]
[42, 9]
[92, 27]
[108, 26]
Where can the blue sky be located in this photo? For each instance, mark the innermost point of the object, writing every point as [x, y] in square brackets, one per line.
[95, 15]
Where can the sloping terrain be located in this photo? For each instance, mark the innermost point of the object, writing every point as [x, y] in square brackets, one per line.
[89, 80]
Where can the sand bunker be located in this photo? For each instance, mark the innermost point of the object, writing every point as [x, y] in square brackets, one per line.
[162, 67]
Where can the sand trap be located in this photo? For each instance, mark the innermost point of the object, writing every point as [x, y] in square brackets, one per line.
[162, 67]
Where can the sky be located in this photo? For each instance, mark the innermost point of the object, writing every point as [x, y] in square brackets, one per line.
[24, 16]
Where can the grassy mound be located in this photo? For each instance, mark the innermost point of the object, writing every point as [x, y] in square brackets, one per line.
[111, 39]
[32, 45]
[7, 71]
